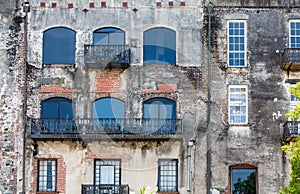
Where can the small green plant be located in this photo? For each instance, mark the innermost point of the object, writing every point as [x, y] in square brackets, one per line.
[147, 190]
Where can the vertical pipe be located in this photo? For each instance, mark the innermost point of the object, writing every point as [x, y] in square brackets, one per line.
[208, 160]
[25, 99]
[189, 167]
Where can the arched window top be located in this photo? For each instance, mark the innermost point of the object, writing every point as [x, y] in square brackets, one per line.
[57, 107]
[59, 46]
[161, 108]
[159, 46]
[108, 108]
[109, 36]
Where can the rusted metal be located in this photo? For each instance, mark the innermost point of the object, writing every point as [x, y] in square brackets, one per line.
[92, 189]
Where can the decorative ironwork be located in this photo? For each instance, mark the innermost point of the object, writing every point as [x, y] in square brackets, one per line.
[111, 126]
[104, 189]
[291, 55]
[291, 130]
[107, 55]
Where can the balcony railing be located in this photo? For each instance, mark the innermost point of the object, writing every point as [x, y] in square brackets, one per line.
[105, 128]
[291, 130]
[291, 58]
[107, 56]
[104, 189]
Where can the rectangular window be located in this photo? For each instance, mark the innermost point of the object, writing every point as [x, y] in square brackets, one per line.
[243, 180]
[294, 34]
[236, 43]
[238, 104]
[168, 175]
[47, 175]
[107, 172]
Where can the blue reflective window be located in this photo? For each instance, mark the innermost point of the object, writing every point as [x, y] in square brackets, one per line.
[55, 108]
[243, 180]
[159, 108]
[59, 46]
[159, 46]
[236, 44]
[108, 108]
[109, 36]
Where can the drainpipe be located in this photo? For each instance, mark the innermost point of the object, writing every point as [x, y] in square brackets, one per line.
[209, 7]
[190, 168]
[26, 9]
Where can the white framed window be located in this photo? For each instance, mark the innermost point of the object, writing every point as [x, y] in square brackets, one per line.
[167, 175]
[238, 104]
[236, 36]
[294, 41]
[107, 172]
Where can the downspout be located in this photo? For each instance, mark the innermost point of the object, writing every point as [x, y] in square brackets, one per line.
[26, 9]
[209, 7]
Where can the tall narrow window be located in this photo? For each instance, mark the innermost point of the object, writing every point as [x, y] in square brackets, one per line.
[167, 175]
[236, 43]
[46, 175]
[243, 178]
[59, 46]
[107, 172]
[238, 104]
[294, 34]
[160, 46]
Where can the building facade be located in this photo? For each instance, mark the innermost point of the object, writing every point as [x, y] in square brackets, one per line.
[182, 96]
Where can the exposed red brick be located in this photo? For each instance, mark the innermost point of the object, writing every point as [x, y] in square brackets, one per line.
[70, 5]
[158, 4]
[182, 3]
[162, 88]
[171, 4]
[108, 81]
[103, 3]
[43, 4]
[53, 4]
[92, 4]
[125, 4]
[55, 89]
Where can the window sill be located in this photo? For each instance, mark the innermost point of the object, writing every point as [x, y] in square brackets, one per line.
[168, 192]
[47, 192]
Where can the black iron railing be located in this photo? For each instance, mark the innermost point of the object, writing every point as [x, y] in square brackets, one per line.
[104, 189]
[106, 54]
[291, 55]
[291, 129]
[129, 126]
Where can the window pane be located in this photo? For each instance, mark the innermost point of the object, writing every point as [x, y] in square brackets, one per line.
[237, 105]
[59, 46]
[107, 172]
[108, 108]
[57, 108]
[168, 175]
[243, 181]
[236, 44]
[47, 175]
[159, 46]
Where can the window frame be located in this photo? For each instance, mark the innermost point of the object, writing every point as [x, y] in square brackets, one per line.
[105, 31]
[159, 47]
[54, 189]
[119, 161]
[58, 101]
[230, 104]
[244, 51]
[293, 36]
[242, 166]
[159, 176]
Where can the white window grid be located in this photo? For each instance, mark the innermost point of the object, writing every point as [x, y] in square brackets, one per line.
[236, 43]
[47, 175]
[238, 104]
[168, 175]
[107, 172]
[294, 40]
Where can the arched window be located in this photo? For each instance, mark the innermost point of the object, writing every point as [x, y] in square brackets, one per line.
[57, 108]
[243, 179]
[109, 114]
[59, 46]
[159, 46]
[109, 36]
[159, 115]
[57, 116]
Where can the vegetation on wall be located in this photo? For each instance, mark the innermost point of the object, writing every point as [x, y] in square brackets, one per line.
[293, 150]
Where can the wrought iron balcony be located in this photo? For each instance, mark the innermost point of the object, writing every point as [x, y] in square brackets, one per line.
[291, 59]
[107, 56]
[104, 189]
[291, 130]
[105, 128]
